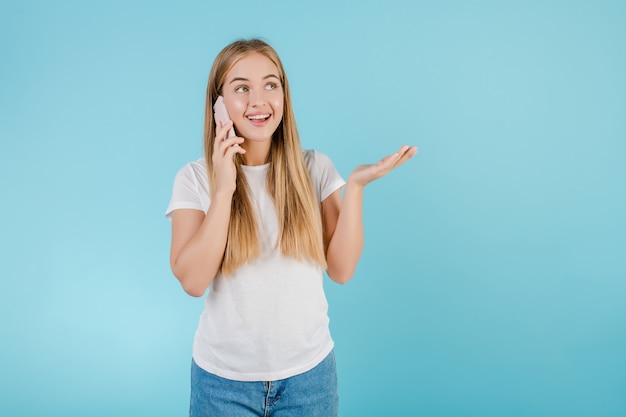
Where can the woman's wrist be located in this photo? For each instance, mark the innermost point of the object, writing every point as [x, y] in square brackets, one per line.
[354, 184]
[353, 191]
[224, 197]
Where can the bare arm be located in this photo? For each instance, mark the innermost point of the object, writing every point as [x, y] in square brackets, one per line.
[199, 239]
[343, 219]
[346, 243]
[198, 243]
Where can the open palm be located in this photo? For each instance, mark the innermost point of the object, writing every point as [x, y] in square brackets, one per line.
[364, 174]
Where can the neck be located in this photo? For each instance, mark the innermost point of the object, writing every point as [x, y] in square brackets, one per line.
[256, 152]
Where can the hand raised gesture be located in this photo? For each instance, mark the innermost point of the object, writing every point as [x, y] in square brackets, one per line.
[364, 174]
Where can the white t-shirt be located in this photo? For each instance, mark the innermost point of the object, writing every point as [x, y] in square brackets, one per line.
[269, 320]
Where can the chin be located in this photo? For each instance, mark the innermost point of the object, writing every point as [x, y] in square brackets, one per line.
[256, 138]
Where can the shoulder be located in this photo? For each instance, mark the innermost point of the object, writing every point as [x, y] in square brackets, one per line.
[194, 172]
[326, 179]
[192, 176]
[195, 168]
[191, 188]
[316, 160]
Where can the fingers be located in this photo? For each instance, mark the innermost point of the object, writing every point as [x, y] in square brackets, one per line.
[390, 162]
[226, 146]
[221, 130]
[364, 174]
[394, 157]
[233, 149]
[404, 154]
[229, 147]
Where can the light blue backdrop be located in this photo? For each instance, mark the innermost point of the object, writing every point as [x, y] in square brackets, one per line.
[493, 281]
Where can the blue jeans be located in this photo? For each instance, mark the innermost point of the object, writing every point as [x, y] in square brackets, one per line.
[311, 394]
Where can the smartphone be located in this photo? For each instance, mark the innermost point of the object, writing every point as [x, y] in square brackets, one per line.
[221, 114]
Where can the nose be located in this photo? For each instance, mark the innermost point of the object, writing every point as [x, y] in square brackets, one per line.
[257, 97]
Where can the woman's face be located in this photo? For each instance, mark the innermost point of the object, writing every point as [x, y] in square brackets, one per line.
[254, 97]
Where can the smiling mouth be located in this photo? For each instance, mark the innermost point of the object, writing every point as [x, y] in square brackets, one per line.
[259, 117]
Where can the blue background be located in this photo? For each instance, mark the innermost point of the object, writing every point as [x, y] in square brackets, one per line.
[493, 280]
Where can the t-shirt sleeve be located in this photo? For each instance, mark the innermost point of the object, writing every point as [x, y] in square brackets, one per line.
[185, 192]
[326, 178]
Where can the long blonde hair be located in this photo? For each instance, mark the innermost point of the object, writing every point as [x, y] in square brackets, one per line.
[288, 180]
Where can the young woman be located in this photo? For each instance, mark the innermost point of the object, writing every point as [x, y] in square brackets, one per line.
[257, 221]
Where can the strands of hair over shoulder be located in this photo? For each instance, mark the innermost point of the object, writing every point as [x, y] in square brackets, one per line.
[288, 179]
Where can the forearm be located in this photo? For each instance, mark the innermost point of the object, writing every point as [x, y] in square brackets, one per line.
[346, 245]
[200, 259]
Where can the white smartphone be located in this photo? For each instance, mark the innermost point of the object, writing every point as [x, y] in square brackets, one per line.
[221, 114]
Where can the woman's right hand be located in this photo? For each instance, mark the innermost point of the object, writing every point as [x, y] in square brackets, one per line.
[224, 151]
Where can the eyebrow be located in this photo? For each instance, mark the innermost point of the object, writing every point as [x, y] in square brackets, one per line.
[245, 79]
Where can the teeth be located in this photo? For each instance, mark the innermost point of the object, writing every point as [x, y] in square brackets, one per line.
[259, 117]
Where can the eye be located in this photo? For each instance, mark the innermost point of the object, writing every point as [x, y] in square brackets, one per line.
[271, 86]
[241, 89]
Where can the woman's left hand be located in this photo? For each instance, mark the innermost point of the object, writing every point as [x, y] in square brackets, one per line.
[364, 174]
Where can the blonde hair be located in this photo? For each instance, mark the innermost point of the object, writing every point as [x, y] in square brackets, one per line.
[288, 180]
